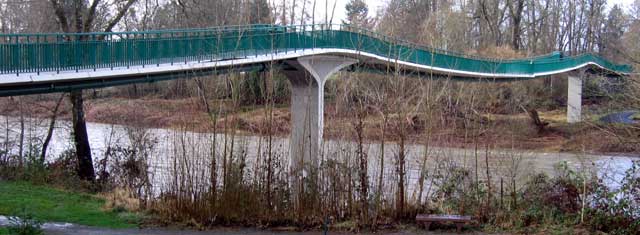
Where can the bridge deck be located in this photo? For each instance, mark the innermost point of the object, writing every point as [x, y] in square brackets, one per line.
[48, 60]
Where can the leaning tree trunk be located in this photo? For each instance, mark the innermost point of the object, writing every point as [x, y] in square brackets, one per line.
[81, 20]
[81, 139]
[52, 124]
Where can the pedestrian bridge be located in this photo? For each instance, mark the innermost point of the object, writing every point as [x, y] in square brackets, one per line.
[307, 54]
[42, 63]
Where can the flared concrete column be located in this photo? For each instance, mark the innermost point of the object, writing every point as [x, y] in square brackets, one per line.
[307, 78]
[574, 98]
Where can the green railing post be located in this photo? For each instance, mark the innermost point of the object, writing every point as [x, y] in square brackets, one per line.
[127, 54]
[94, 52]
[16, 56]
[34, 53]
[158, 40]
[111, 51]
[171, 48]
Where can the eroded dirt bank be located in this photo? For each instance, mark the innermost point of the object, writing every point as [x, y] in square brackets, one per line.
[502, 131]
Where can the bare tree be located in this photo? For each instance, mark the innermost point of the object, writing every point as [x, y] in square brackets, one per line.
[77, 16]
[516, 8]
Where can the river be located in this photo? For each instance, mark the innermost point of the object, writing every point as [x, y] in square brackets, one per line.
[167, 151]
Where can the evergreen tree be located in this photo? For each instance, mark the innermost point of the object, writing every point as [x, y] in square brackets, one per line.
[613, 30]
[260, 12]
[357, 14]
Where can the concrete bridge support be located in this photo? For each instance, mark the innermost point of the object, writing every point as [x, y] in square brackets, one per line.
[308, 76]
[574, 98]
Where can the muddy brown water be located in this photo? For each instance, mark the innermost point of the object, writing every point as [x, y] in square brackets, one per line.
[194, 156]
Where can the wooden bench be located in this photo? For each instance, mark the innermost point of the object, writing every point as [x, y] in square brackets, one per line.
[459, 220]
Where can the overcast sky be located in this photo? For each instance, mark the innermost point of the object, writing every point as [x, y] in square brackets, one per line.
[375, 5]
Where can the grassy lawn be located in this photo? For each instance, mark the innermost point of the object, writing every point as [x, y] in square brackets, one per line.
[54, 205]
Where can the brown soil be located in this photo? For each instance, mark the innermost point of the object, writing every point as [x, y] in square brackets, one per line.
[507, 131]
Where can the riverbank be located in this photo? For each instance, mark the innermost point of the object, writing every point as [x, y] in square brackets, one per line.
[64, 212]
[47, 203]
[201, 180]
[81, 213]
[450, 187]
[500, 130]
[85, 230]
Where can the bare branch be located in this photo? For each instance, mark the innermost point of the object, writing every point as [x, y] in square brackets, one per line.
[91, 14]
[119, 16]
[62, 18]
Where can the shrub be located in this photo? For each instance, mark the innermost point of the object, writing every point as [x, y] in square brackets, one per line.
[457, 193]
[35, 169]
[62, 171]
[25, 225]
[617, 211]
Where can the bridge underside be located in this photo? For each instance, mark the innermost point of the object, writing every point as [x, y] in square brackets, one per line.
[64, 81]
[67, 85]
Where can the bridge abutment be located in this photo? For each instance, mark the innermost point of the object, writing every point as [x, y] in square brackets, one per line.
[308, 76]
[574, 97]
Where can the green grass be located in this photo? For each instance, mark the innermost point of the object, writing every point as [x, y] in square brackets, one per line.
[54, 205]
[3, 231]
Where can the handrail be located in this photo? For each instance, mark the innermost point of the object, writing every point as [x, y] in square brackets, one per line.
[228, 28]
[232, 28]
[41, 52]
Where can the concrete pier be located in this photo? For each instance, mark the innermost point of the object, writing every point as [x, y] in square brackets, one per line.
[574, 98]
[307, 78]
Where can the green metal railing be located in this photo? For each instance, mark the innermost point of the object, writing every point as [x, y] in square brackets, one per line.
[54, 52]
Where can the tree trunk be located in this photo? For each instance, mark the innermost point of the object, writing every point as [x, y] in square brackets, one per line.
[52, 124]
[363, 173]
[83, 21]
[516, 18]
[21, 143]
[400, 170]
[81, 139]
